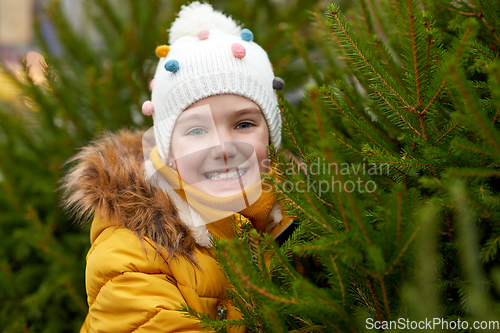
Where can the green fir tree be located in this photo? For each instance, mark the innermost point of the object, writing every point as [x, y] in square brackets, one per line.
[393, 182]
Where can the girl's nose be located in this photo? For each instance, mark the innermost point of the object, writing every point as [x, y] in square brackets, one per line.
[226, 149]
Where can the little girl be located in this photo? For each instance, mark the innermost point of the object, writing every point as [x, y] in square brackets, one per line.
[159, 197]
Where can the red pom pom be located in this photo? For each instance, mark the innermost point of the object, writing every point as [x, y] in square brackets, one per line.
[238, 50]
[148, 108]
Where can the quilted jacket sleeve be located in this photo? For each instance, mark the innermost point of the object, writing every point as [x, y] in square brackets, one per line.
[129, 290]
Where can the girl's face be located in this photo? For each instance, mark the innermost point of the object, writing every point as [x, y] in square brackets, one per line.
[219, 145]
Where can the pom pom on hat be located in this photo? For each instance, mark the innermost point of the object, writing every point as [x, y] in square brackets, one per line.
[172, 65]
[203, 34]
[246, 35]
[199, 16]
[148, 108]
[238, 50]
[278, 83]
[162, 51]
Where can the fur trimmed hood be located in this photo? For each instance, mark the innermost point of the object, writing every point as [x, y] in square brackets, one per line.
[108, 179]
[111, 179]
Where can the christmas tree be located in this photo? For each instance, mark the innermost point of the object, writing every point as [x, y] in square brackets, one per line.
[393, 179]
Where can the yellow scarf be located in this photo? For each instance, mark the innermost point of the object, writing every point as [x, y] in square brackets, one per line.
[220, 209]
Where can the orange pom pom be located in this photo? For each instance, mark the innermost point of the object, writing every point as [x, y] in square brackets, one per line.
[162, 51]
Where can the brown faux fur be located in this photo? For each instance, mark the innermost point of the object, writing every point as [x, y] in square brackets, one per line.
[108, 179]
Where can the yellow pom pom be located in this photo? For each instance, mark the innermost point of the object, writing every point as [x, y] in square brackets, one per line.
[162, 51]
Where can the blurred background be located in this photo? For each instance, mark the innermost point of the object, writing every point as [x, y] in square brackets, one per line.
[17, 36]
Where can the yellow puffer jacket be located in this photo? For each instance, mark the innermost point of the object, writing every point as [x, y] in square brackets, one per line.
[144, 261]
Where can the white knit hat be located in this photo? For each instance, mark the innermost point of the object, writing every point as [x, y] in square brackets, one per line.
[209, 55]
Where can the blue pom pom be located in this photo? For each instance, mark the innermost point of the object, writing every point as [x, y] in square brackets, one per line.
[246, 35]
[172, 65]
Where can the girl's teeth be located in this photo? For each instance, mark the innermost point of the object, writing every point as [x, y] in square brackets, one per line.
[233, 174]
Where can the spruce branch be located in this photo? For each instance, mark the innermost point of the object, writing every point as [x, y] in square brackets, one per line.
[405, 247]
[356, 212]
[421, 119]
[272, 244]
[290, 201]
[376, 8]
[289, 129]
[344, 216]
[446, 133]
[314, 328]
[409, 163]
[359, 69]
[457, 57]
[350, 147]
[489, 27]
[82, 305]
[399, 217]
[373, 193]
[314, 99]
[486, 127]
[358, 111]
[384, 295]
[366, 17]
[341, 109]
[396, 112]
[472, 172]
[305, 55]
[311, 204]
[496, 116]
[334, 264]
[339, 23]
[320, 246]
[429, 43]
[249, 284]
[462, 144]
[489, 252]
[325, 41]
[388, 59]
[415, 60]
[254, 241]
[484, 51]
[321, 295]
[314, 94]
[380, 315]
[396, 8]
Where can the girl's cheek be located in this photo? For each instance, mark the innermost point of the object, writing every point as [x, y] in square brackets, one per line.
[189, 166]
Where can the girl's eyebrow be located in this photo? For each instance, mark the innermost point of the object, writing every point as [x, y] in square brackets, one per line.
[193, 116]
[244, 111]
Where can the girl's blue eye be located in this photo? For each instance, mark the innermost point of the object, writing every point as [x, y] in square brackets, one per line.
[244, 125]
[196, 132]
